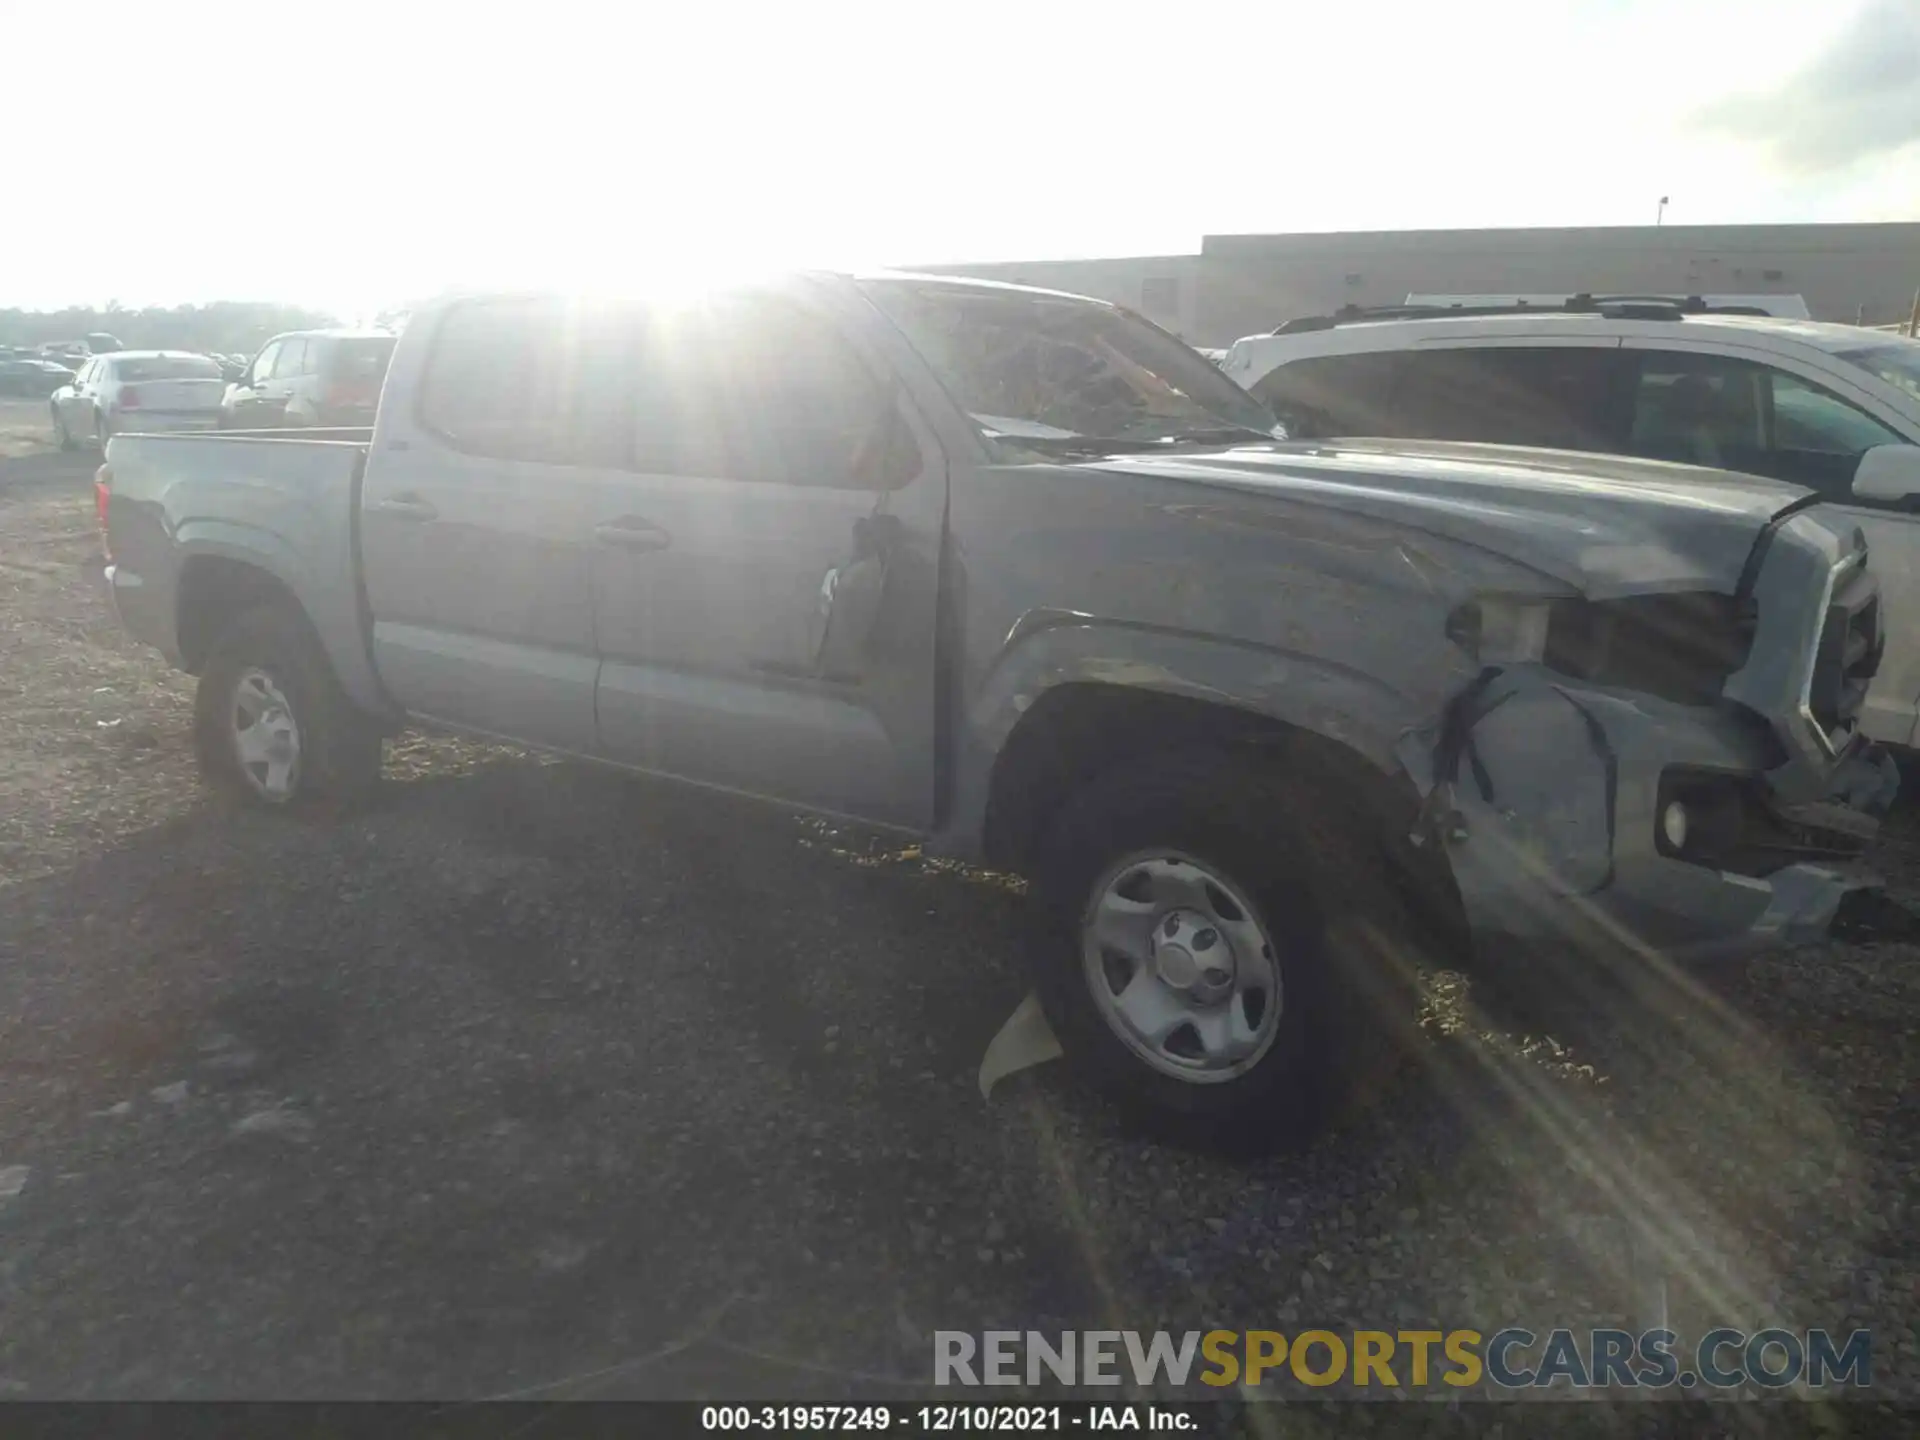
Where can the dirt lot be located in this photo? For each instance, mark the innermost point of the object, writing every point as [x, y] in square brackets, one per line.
[536, 1080]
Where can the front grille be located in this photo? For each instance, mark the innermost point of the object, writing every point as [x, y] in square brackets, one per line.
[1852, 640]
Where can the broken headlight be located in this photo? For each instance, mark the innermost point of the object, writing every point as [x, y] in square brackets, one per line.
[1681, 646]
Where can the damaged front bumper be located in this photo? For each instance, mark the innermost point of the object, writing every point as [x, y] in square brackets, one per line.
[1560, 829]
[1579, 814]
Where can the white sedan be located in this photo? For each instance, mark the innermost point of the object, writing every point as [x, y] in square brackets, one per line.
[137, 390]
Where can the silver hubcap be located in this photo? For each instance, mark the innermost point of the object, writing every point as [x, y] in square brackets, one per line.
[266, 737]
[1180, 967]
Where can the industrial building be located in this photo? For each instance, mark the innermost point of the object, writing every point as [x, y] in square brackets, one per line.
[1244, 284]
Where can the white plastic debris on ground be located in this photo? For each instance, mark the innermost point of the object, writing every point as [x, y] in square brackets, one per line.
[1024, 1041]
[282, 1124]
[13, 1179]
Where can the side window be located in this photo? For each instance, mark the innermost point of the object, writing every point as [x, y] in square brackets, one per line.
[1808, 418]
[1327, 395]
[759, 388]
[1697, 409]
[1737, 415]
[263, 363]
[293, 354]
[535, 379]
[83, 375]
[1561, 397]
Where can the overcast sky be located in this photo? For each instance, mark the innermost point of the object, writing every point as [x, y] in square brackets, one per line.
[354, 155]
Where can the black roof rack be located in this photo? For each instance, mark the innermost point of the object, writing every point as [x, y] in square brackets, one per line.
[1615, 307]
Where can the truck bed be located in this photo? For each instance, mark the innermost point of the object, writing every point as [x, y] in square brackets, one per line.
[287, 501]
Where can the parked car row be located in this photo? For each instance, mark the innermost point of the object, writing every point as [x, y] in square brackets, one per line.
[36, 373]
[137, 390]
[27, 374]
[307, 378]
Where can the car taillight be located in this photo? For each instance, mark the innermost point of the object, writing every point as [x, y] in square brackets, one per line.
[129, 398]
[102, 498]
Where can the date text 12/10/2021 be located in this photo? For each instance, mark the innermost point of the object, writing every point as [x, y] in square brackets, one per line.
[943, 1418]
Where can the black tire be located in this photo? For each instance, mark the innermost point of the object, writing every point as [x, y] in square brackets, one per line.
[339, 745]
[60, 431]
[1317, 873]
[102, 432]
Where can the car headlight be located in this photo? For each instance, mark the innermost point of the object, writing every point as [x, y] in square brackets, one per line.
[1682, 646]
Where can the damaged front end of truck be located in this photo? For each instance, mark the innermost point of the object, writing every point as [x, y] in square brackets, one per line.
[1677, 772]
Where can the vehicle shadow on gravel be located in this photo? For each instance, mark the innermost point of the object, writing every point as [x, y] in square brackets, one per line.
[534, 1078]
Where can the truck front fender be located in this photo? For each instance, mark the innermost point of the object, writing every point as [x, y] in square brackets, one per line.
[1360, 712]
[1313, 693]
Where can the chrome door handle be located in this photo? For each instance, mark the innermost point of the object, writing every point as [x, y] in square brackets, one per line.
[405, 507]
[633, 534]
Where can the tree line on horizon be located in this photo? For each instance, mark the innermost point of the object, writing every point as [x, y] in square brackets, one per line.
[224, 326]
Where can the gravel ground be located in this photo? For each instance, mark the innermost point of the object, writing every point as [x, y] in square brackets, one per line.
[539, 1080]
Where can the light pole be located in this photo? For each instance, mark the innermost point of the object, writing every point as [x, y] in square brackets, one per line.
[1661, 213]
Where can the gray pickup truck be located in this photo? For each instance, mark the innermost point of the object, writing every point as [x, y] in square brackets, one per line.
[1021, 574]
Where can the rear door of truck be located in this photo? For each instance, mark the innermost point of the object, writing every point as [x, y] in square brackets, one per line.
[498, 432]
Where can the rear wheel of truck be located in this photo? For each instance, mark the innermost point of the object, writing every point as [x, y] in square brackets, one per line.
[271, 724]
[1219, 949]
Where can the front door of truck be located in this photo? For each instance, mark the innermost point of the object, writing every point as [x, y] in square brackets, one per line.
[476, 515]
[765, 579]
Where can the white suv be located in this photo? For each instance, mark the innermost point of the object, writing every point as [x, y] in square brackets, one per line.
[1789, 399]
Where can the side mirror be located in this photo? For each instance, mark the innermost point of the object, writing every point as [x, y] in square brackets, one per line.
[1888, 472]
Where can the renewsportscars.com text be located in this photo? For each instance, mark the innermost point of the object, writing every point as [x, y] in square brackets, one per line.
[1512, 1358]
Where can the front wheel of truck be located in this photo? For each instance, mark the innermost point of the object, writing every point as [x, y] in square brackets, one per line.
[271, 724]
[1218, 947]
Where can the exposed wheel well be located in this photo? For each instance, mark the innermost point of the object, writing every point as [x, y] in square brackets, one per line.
[1075, 732]
[212, 591]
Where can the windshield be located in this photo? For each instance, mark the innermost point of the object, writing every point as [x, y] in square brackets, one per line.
[1036, 367]
[1897, 362]
[167, 367]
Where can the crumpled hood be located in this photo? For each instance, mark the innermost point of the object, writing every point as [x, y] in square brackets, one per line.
[1598, 524]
